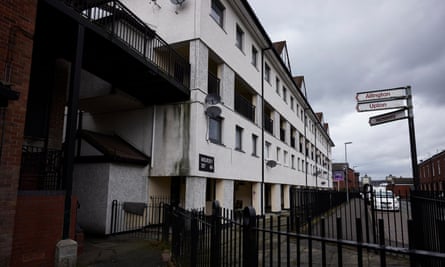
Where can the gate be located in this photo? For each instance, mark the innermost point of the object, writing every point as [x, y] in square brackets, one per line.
[141, 219]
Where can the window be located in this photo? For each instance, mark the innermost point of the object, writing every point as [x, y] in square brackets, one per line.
[217, 12]
[285, 157]
[277, 85]
[267, 148]
[254, 145]
[291, 102]
[215, 127]
[292, 161]
[284, 94]
[239, 38]
[278, 154]
[254, 56]
[239, 138]
[267, 72]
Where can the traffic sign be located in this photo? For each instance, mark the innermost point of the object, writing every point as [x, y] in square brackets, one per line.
[338, 175]
[380, 95]
[372, 106]
[387, 117]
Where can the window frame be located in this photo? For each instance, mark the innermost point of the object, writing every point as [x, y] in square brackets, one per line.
[267, 72]
[238, 138]
[254, 145]
[217, 12]
[254, 59]
[239, 37]
[219, 121]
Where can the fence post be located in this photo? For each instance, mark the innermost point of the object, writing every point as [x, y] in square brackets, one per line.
[359, 233]
[215, 239]
[382, 243]
[339, 246]
[166, 222]
[113, 216]
[250, 241]
[194, 239]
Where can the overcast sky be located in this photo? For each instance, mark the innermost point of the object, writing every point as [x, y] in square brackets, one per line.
[348, 46]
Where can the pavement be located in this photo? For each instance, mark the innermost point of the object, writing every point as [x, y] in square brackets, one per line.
[128, 250]
[121, 250]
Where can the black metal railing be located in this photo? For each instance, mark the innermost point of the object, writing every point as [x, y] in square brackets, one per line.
[220, 239]
[122, 24]
[40, 169]
[139, 218]
[428, 212]
[244, 107]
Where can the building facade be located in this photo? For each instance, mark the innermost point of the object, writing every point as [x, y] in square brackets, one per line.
[133, 100]
[431, 172]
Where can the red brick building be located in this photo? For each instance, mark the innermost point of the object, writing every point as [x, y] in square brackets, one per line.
[350, 174]
[432, 173]
[45, 45]
[17, 24]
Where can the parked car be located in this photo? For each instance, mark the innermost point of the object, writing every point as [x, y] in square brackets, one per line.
[386, 200]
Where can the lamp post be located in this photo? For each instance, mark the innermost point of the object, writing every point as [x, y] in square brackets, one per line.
[346, 170]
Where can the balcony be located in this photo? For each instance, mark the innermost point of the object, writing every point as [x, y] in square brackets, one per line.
[268, 125]
[283, 135]
[292, 142]
[244, 107]
[118, 48]
[213, 85]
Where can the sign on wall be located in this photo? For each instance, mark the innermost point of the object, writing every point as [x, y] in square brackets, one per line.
[206, 163]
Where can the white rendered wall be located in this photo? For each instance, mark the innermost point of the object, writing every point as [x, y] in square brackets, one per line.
[196, 193]
[224, 193]
[90, 185]
[275, 197]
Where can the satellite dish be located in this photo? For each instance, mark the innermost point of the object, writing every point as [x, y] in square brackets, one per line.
[271, 163]
[212, 99]
[177, 2]
[213, 111]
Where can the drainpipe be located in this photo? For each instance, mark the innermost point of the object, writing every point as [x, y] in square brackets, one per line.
[71, 127]
[262, 128]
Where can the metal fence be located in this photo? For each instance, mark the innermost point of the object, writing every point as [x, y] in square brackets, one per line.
[141, 219]
[428, 212]
[332, 238]
[40, 169]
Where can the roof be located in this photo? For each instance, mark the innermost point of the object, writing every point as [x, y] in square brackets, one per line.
[113, 148]
[279, 46]
[400, 181]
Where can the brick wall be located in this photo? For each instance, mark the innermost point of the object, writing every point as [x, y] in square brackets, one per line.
[17, 22]
[39, 226]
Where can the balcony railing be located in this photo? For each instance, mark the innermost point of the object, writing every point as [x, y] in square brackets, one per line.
[115, 18]
[213, 85]
[40, 169]
[244, 107]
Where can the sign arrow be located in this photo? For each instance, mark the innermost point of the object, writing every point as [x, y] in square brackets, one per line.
[388, 117]
[381, 95]
[372, 106]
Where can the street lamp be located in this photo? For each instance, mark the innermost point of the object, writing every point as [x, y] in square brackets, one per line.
[346, 170]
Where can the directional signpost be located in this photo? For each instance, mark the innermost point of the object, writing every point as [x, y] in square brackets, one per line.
[392, 98]
[387, 117]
